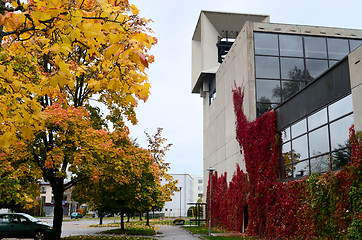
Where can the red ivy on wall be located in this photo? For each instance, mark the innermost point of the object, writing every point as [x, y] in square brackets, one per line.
[315, 207]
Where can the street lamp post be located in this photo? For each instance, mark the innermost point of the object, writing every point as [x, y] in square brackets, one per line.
[180, 201]
[211, 171]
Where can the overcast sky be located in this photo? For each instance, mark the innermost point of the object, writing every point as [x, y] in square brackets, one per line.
[171, 104]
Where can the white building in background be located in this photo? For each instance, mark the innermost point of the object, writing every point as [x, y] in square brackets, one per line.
[178, 205]
[198, 188]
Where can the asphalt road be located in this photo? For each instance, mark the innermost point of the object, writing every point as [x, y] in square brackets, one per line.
[81, 226]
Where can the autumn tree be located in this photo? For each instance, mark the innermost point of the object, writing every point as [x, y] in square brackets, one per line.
[158, 147]
[54, 57]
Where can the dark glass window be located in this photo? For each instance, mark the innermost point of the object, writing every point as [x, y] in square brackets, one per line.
[315, 67]
[354, 44]
[267, 67]
[340, 132]
[212, 91]
[315, 47]
[263, 107]
[291, 45]
[325, 144]
[267, 91]
[341, 158]
[292, 68]
[318, 141]
[289, 88]
[337, 48]
[266, 44]
[300, 148]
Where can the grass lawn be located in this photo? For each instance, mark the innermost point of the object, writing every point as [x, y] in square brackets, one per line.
[205, 231]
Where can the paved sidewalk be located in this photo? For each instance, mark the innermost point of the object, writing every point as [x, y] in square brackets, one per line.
[170, 232]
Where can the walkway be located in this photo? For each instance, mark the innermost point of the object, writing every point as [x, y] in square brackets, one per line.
[170, 232]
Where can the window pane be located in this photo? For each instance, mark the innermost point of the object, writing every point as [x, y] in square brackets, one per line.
[286, 151]
[337, 48]
[301, 169]
[266, 44]
[315, 47]
[315, 68]
[286, 134]
[299, 128]
[291, 45]
[319, 141]
[341, 158]
[340, 108]
[267, 67]
[292, 68]
[288, 169]
[300, 148]
[268, 91]
[319, 164]
[340, 132]
[263, 107]
[355, 44]
[289, 88]
[332, 62]
[317, 119]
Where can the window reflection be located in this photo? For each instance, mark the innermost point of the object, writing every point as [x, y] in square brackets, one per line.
[291, 45]
[263, 107]
[265, 91]
[299, 128]
[315, 67]
[289, 88]
[266, 44]
[341, 158]
[354, 44]
[318, 141]
[317, 119]
[301, 169]
[286, 135]
[337, 48]
[319, 164]
[340, 132]
[300, 147]
[340, 108]
[267, 67]
[315, 47]
[292, 68]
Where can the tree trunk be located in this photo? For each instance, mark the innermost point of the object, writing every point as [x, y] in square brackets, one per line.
[148, 218]
[128, 217]
[140, 216]
[58, 208]
[100, 218]
[122, 221]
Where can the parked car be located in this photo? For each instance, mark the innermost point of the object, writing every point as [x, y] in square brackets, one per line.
[76, 215]
[21, 225]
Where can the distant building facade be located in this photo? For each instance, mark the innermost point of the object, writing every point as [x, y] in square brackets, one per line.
[178, 205]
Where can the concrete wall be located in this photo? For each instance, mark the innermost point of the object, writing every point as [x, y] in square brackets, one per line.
[355, 68]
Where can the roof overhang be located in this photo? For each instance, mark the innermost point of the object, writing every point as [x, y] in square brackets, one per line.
[204, 77]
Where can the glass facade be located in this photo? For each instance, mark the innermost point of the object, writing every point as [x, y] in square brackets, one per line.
[319, 142]
[285, 63]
